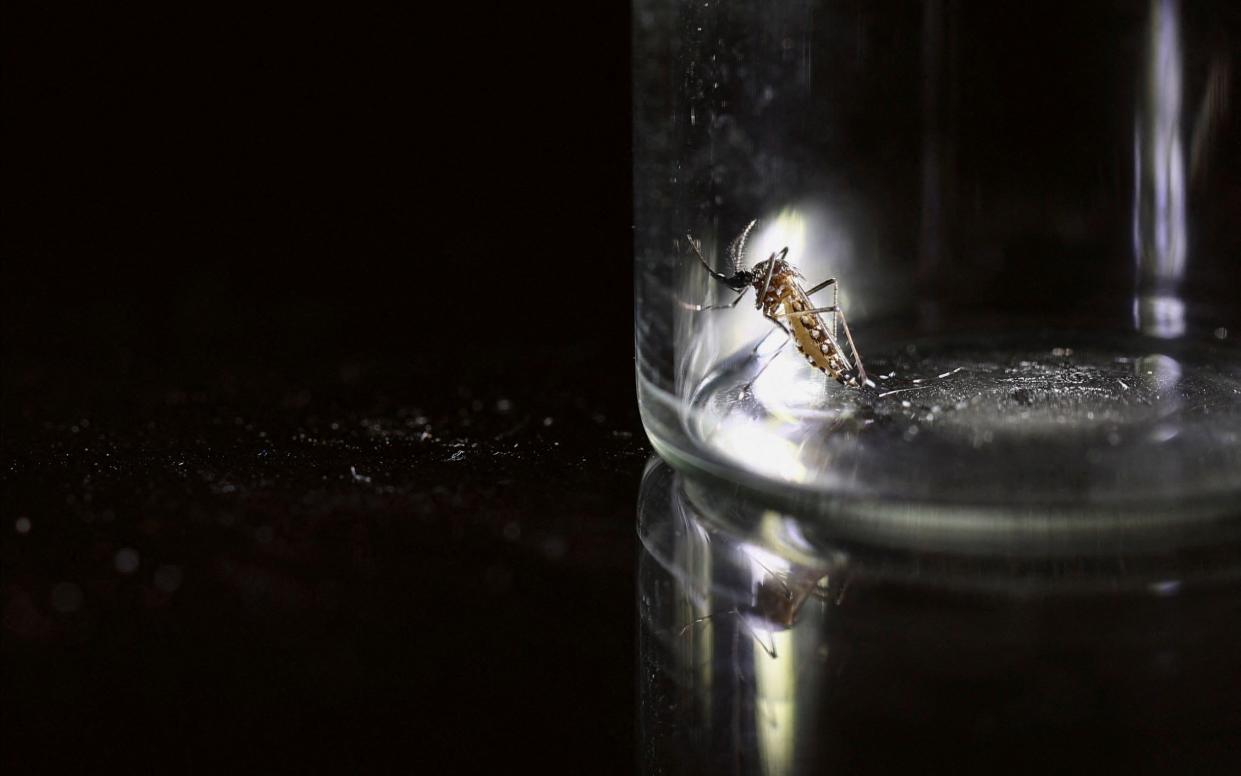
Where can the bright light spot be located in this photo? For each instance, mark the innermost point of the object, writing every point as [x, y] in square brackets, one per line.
[1159, 198]
[126, 560]
[1163, 371]
[1162, 316]
[794, 535]
[792, 390]
[1167, 587]
[776, 681]
[22, 525]
[786, 230]
[1163, 433]
[760, 446]
[763, 563]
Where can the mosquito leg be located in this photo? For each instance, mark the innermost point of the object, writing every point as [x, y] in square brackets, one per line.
[771, 266]
[788, 336]
[857, 357]
[795, 313]
[821, 286]
[831, 338]
[703, 259]
[844, 588]
[759, 344]
[696, 621]
[770, 650]
[835, 597]
[783, 328]
[700, 620]
[787, 593]
[835, 298]
[836, 304]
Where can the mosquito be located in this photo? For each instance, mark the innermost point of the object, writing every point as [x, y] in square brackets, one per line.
[778, 603]
[785, 303]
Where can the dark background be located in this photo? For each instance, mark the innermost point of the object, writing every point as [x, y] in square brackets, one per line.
[324, 316]
[273, 178]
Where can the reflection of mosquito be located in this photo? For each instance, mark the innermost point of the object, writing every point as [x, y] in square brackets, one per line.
[786, 304]
[778, 603]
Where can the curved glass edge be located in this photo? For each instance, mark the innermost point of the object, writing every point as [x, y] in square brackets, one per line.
[673, 514]
[739, 498]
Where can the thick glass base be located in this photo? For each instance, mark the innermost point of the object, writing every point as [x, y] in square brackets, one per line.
[1119, 426]
[755, 657]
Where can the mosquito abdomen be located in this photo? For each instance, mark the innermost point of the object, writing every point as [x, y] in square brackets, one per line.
[812, 337]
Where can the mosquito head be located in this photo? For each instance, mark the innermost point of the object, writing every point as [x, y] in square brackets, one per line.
[739, 280]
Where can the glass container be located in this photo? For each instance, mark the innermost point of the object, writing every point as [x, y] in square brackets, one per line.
[1032, 213]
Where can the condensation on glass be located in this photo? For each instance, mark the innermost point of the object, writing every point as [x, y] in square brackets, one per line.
[1033, 213]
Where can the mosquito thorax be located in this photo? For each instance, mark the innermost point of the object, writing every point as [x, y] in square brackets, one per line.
[778, 273]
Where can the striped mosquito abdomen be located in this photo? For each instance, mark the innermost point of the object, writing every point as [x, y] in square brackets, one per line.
[786, 303]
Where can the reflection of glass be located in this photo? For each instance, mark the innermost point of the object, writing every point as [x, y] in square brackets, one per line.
[776, 652]
[1025, 209]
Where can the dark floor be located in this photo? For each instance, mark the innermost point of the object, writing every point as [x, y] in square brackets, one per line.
[354, 566]
[303, 466]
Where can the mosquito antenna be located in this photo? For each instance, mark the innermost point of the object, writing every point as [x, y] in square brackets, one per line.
[737, 249]
[698, 252]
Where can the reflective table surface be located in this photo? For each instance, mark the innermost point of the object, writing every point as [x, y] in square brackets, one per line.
[345, 563]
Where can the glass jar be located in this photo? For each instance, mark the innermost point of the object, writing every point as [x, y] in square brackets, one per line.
[1032, 213]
